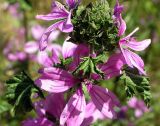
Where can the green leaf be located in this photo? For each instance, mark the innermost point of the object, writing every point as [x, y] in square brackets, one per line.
[19, 92]
[136, 84]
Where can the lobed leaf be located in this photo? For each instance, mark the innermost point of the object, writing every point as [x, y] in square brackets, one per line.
[136, 84]
[19, 91]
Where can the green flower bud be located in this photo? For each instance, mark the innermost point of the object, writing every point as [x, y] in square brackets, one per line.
[94, 25]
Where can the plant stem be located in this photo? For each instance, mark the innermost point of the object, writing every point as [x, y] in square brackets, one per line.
[25, 24]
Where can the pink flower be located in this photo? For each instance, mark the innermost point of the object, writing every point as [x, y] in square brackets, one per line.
[13, 10]
[38, 30]
[42, 57]
[52, 76]
[17, 56]
[59, 12]
[138, 105]
[14, 48]
[32, 47]
[132, 59]
[57, 80]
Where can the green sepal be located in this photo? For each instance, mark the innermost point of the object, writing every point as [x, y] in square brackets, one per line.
[88, 66]
[63, 63]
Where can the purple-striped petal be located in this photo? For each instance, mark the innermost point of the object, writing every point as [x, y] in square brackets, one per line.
[72, 3]
[74, 111]
[122, 27]
[44, 39]
[104, 100]
[44, 59]
[39, 108]
[113, 66]
[133, 60]
[55, 80]
[54, 57]
[56, 100]
[58, 12]
[66, 26]
[121, 24]
[68, 49]
[138, 46]
[92, 114]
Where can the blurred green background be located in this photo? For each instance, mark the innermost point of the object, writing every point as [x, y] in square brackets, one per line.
[137, 13]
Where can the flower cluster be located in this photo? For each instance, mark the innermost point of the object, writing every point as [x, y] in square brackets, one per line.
[95, 50]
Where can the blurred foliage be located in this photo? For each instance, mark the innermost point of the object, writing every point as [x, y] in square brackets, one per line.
[137, 13]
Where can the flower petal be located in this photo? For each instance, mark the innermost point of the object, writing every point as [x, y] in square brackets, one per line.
[58, 12]
[44, 39]
[37, 122]
[68, 49]
[113, 66]
[66, 26]
[138, 46]
[37, 31]
[133, 60]
[121, 24]
[82, 50]
[92, 114]
[73, 113]
[44, 59]
[54, 57]
[56, 100]
[122, 27]
[72, 3]
[31, 47]
[39, 108]
[55, 80]
[104, 100]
